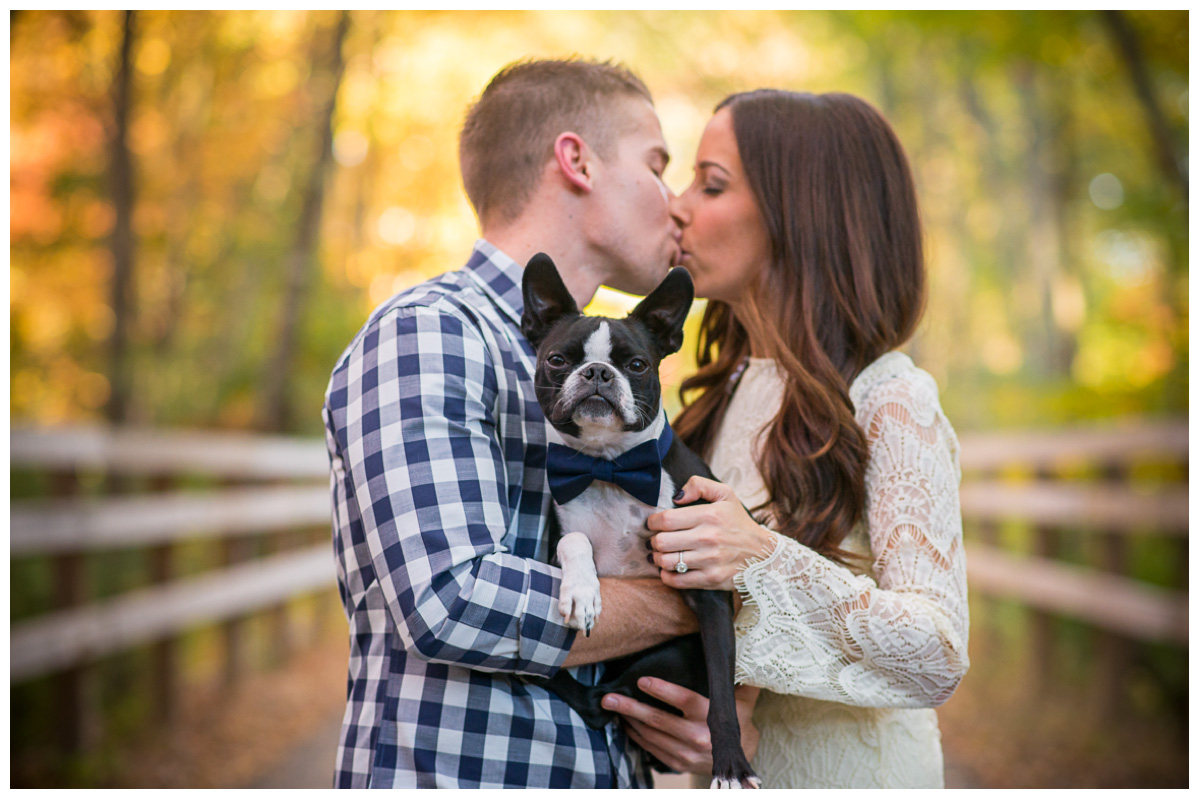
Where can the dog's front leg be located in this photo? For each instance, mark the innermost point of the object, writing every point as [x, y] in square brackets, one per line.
[579, 593]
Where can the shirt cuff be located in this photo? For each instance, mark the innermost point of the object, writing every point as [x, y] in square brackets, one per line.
[544, 640]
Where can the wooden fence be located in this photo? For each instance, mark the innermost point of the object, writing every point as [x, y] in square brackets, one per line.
[1104, 488]
[271, 485]
[265, 493]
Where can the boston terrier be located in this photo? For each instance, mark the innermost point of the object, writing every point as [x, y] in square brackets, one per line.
[613, 462]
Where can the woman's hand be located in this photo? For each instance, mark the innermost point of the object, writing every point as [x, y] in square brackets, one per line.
[716, 540]
[681, 743]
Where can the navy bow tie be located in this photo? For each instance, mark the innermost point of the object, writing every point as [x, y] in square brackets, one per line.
[637, 471]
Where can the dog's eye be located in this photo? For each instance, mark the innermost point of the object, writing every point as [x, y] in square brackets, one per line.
[555, 360]
[637, 365]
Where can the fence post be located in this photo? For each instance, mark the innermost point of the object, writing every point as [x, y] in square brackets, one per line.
[164, 653]
[1045, 545]
[77, 689]
[986, 632]
[281, 627]
[235, 551]
[1114, 652]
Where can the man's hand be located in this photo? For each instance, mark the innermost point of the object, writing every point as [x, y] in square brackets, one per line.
[682, 743]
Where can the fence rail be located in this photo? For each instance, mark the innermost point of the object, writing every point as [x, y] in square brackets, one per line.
[132, 451]
[1111, 507]
[43, 527]
[1133, 609]
[65, 638]
[80, 630]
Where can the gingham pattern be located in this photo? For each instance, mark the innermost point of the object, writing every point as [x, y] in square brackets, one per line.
[438, 449]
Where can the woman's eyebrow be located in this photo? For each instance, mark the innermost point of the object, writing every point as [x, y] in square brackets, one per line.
[706, 164]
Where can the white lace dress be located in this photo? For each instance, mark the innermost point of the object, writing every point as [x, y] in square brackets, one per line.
[852, 665]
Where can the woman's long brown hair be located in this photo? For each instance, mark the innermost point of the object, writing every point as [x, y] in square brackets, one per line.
[846, 284]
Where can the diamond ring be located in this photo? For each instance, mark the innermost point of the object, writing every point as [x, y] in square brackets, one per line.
[681, 567]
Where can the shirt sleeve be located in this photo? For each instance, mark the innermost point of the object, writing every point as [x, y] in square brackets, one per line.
[812, 627]
[414, 418]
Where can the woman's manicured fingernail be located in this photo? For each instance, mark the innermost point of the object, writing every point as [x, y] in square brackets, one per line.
[678, 496]
[650, 558]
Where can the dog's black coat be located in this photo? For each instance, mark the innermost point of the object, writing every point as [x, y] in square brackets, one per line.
[702, 662]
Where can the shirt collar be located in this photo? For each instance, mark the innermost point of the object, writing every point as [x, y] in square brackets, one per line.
[499, 276]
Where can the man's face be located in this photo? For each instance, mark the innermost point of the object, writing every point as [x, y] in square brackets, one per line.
[630, 223]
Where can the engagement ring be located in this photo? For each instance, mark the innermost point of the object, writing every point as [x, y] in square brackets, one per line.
[681, 567]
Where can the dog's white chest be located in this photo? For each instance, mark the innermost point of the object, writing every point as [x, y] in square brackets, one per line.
[615, 523]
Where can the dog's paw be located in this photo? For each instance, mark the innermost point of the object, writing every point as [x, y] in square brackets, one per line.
[579, 602]
[747, 781]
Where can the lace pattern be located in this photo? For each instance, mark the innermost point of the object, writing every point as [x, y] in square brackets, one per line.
[814, 632]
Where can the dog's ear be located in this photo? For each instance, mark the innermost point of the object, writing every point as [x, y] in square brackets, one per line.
[664, 310]
[546, 299]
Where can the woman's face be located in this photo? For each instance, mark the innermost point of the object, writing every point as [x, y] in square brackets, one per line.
[725, 242]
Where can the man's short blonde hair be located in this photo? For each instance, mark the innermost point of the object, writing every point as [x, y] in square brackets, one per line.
[509, 132]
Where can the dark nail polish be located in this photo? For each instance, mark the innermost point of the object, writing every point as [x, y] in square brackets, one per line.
[678, 496]
[650, 558]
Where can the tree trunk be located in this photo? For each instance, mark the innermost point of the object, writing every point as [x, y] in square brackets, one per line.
[1043, 240]
[122, 243]
[275, 410]
[1131, 52]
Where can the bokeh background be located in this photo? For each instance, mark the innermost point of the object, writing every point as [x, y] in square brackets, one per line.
[205, 207]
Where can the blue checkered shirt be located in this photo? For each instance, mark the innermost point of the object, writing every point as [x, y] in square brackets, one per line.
[438, 450]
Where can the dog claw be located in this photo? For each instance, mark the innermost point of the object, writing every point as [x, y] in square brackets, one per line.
[751, 781]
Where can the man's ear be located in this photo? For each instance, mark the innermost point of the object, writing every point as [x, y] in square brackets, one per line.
[573, 156]
[664, 310]
[546, 299]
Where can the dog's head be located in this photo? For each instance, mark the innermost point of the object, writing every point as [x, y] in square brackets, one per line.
[597, 377]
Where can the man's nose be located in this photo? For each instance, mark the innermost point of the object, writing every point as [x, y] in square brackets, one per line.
[599, 374]
[678, 211]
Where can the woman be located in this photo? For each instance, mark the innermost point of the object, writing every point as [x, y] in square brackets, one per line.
[801, 229]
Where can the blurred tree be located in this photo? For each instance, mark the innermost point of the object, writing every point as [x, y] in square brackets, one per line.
[275, 415]
[1131, 52]
[122, 190]
[1057, 248]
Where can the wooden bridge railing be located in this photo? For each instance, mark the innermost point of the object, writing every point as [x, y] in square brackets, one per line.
[265, 494]
[282, 485]
[1082, 483]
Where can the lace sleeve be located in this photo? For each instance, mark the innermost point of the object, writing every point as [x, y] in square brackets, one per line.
[812, 627]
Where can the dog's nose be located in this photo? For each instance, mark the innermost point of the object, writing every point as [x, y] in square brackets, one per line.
[598, 373]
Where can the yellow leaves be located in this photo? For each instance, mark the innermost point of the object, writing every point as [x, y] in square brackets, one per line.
[417, 152]
[276, 78]
[153, 57]
[359, 89]
[362, 267]
[147, 132]
[397, 225]
[62, 391]
[1001, 353]
[1121, 358]
[350, 147]
[1068, 303]
[223, 145]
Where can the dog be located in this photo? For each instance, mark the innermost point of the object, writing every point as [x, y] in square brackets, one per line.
[613, 462]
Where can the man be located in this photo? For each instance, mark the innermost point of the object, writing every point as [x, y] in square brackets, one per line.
[438, 447]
